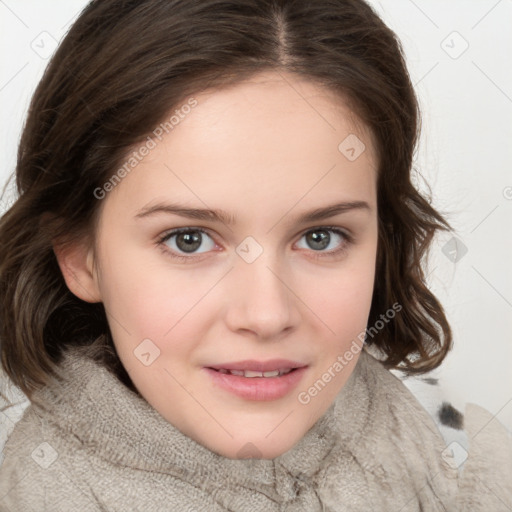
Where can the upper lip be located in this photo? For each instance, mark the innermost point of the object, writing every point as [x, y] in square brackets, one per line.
[259, 366]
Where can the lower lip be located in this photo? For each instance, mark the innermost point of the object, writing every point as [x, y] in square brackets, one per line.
[258, 388]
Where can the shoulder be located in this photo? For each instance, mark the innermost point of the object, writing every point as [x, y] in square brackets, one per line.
[478, 445]
[486, 478]
[46, 468]
[470, 446]
[32, 477]
[70, 451]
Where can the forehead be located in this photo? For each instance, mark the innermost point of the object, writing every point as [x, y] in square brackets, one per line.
[272, 138]
[275, 106]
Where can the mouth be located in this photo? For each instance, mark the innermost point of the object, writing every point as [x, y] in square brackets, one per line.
[257, 381]
[253, 368]
[254, 374]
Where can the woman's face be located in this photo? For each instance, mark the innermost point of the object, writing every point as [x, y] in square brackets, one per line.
[263, 283]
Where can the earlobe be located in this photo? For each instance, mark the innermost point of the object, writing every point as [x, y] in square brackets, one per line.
[76, 263]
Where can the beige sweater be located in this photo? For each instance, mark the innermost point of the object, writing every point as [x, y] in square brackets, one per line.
[94, 445]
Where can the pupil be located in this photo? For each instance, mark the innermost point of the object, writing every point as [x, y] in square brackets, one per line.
[322, 239]
[192, 242]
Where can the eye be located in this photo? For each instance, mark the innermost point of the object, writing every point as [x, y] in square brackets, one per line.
[186, 240]
[182, 243]
[320, 238]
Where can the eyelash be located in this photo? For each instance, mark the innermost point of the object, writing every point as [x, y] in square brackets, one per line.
[348, 240]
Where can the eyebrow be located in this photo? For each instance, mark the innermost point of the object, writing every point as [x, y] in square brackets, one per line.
[224, 217]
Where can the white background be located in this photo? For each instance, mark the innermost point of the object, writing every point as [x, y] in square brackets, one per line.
[465, 155]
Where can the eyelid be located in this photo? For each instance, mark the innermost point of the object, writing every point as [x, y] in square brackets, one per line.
[173, 231]
[176, 231]
[344, 231]
[349, 239]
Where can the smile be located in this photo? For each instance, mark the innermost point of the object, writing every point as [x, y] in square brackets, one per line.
[251, 374]
[256, 385]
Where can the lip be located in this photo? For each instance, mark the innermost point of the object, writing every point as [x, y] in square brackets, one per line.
[257, 388]
[259, 366]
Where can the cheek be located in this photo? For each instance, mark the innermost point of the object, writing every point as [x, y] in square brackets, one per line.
[150, 298]
[345, 311]
[344, 314]
[342, 297]
[130, 290]
[147, 298]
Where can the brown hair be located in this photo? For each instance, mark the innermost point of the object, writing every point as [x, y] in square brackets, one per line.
[118, 72]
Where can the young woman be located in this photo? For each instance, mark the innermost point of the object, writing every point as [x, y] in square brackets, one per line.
[215, 259]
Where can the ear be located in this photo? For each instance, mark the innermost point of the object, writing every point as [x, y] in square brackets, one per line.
[76, 262]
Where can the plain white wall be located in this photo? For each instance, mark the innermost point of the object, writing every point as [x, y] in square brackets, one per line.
[458, 54]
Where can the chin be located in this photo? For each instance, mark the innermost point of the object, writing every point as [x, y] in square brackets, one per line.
[256, 447]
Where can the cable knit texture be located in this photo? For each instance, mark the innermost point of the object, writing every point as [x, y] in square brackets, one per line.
[91, 444]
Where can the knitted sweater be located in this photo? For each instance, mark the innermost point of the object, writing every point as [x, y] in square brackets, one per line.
[91, 444]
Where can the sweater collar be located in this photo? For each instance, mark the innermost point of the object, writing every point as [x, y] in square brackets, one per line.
[119, 426]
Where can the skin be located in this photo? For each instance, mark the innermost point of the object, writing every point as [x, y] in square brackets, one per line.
[265, 151]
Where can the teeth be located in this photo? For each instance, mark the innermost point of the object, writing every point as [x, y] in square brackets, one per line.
[251, 374]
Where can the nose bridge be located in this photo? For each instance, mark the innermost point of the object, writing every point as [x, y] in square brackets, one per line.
[263, 302]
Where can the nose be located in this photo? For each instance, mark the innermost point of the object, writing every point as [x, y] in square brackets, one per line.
[261, 299]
